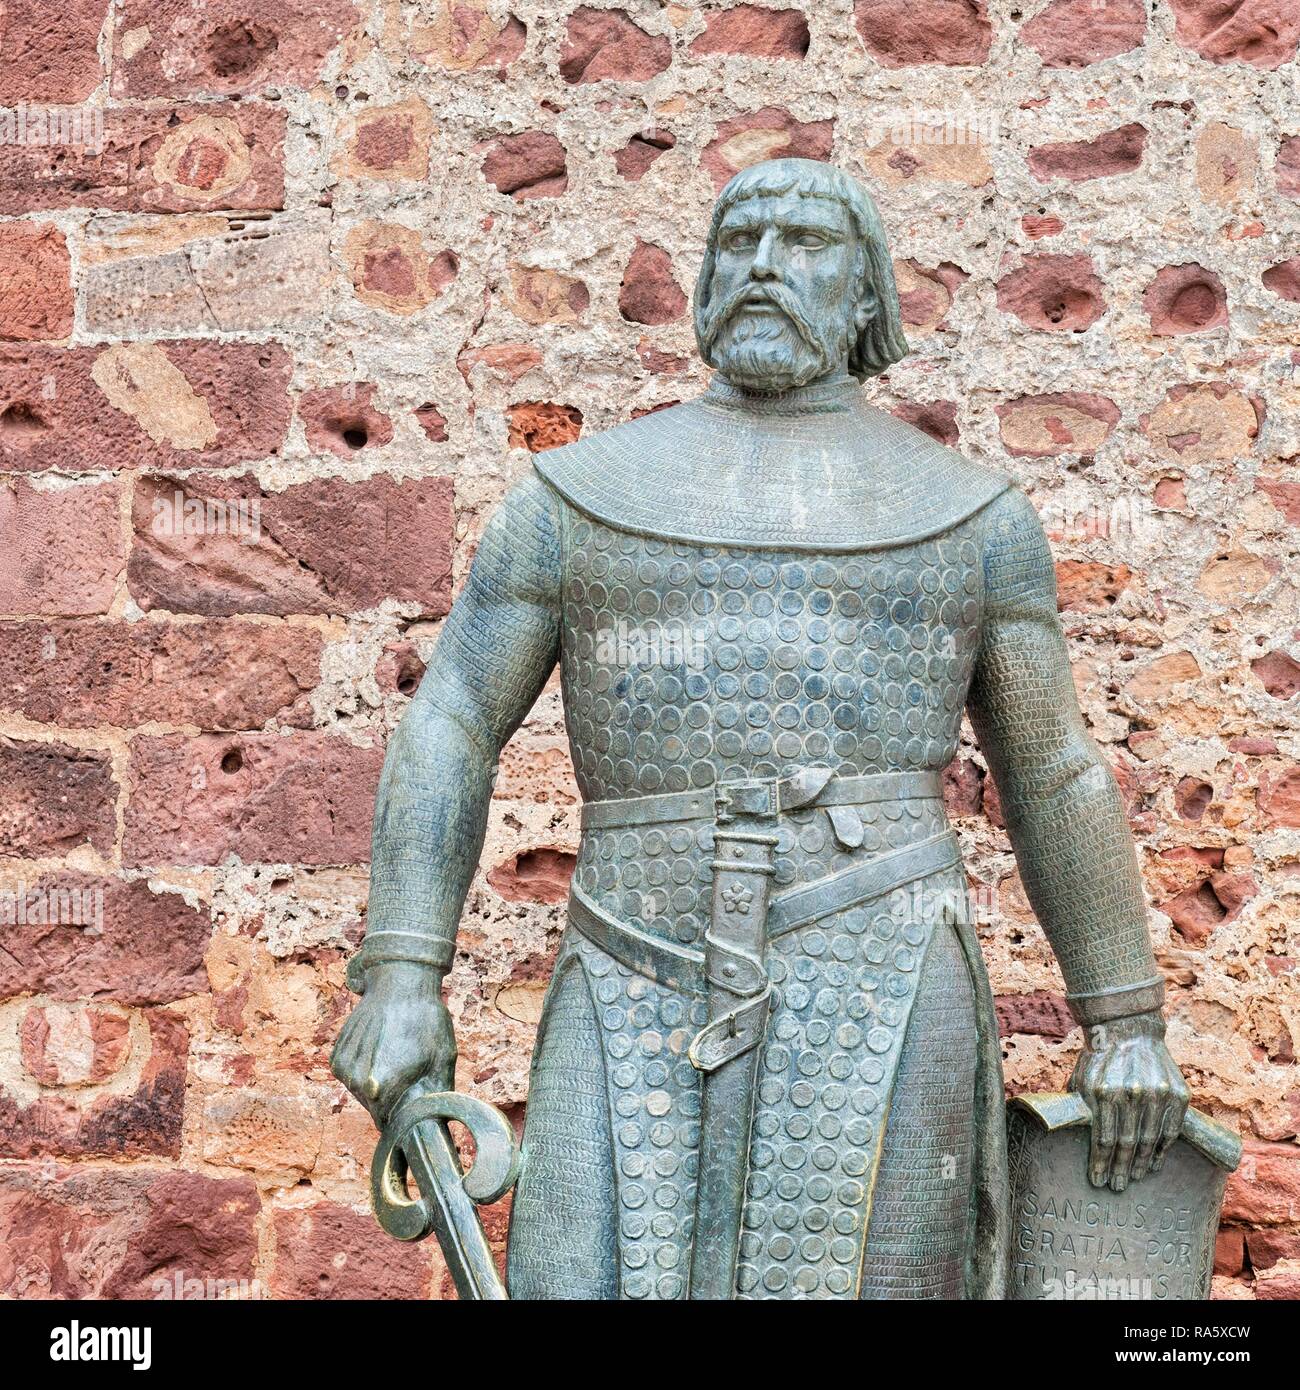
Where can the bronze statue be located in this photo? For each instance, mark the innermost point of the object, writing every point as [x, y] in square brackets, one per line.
[757, 1075]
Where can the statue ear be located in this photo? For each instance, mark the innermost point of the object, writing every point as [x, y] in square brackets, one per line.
[866, 308]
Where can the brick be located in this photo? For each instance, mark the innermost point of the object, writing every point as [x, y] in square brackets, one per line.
[179, 158]
[925, 293]
[272, 1129]
[343, 420]
[1105, 156]
[392, 269]
[648, 293]
[1203, 423]
[206, 274]
[538, 875]
[132, 405]
[142, 1121]
[217, 674]
[1279, 800]
[949, 32]
[769, 133]
[1157, 679]
[332, 1252]
[1078, 33]
[1263, 33]
[641, 151]
[1226, 161]
[925, 149]
[753, 31]
[528, 165]
[327, 546]
[546, 296]
[540, 425]
[465, 37]
[57, 798]
[168, 48]
[1060, 422]
[1185, 299]
[938, 419]
[1053, 294]
[64, 550]
[51, 52]
[399, 669]
[1287, 169]
[1041, 1013]
[73, 1044]
[1284, 279]
[1278, 673]
[35, 282]
[148, 948]
[1265, 1189]
[601, 44]
[432, 421]
[1089, 586]
[306, 798]
[387, 142]
[122, 1233]
[506, 362]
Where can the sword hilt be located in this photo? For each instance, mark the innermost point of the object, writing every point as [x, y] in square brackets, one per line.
[416, 1140]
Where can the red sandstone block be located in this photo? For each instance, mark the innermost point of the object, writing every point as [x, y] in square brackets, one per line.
[649, 293]
[56, 798]
[305, 798]
[1054, 294]
[330, 1251]
[146, 947]
[225, 46]
[343, 420]
[321, 547]
[754, 31]
[1263, 33]
[35, 282]
[163, 159]
[1078, 33]
[600, 43]
[218, 674]
[51, 51]
[143, 1120]
[769, 133]
[63, 551]
[531, 164]
[1116, 152]
[950, 32]
[182, 404]
[1265, 1189]
[123, 1233]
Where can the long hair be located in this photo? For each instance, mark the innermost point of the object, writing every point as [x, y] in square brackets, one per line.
[881, 342]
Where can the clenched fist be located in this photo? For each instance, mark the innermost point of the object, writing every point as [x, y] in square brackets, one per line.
[399, 1033]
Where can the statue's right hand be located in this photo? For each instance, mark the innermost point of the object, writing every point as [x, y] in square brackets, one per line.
[399, 1033]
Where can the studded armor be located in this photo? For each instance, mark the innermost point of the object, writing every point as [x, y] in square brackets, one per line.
[736, 597]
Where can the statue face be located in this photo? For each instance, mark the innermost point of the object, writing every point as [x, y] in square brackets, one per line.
[784, 302]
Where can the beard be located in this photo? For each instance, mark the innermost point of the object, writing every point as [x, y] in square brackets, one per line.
[773, 352]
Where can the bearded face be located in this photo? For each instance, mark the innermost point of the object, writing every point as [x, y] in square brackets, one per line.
[784, 302]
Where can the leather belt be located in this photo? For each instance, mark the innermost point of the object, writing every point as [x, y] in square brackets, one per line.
[682, 967]
[714, 801]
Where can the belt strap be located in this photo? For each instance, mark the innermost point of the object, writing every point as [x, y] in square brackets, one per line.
[682, 967]
[796, 907]
[699, 805]
[679, 967]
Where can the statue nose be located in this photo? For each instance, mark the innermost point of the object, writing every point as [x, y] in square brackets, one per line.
[763, 266]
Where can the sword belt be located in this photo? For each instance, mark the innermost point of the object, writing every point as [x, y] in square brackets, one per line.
[729, 971]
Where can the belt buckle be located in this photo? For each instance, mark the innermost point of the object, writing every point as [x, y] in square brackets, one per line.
[756, 797]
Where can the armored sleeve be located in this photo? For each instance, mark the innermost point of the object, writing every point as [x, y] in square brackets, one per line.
[497, 648]
[1062, 807]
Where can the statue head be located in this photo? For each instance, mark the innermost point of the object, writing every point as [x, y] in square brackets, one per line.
[796, 283]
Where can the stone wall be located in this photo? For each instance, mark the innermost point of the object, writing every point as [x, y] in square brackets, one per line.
[289, 290]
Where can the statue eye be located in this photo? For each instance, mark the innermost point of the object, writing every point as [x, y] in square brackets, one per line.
[740, 241]
[810, 241]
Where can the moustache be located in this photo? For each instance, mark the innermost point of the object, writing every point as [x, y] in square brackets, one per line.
[774, 294]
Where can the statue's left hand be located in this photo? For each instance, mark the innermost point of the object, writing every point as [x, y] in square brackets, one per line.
[1137, 1097]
